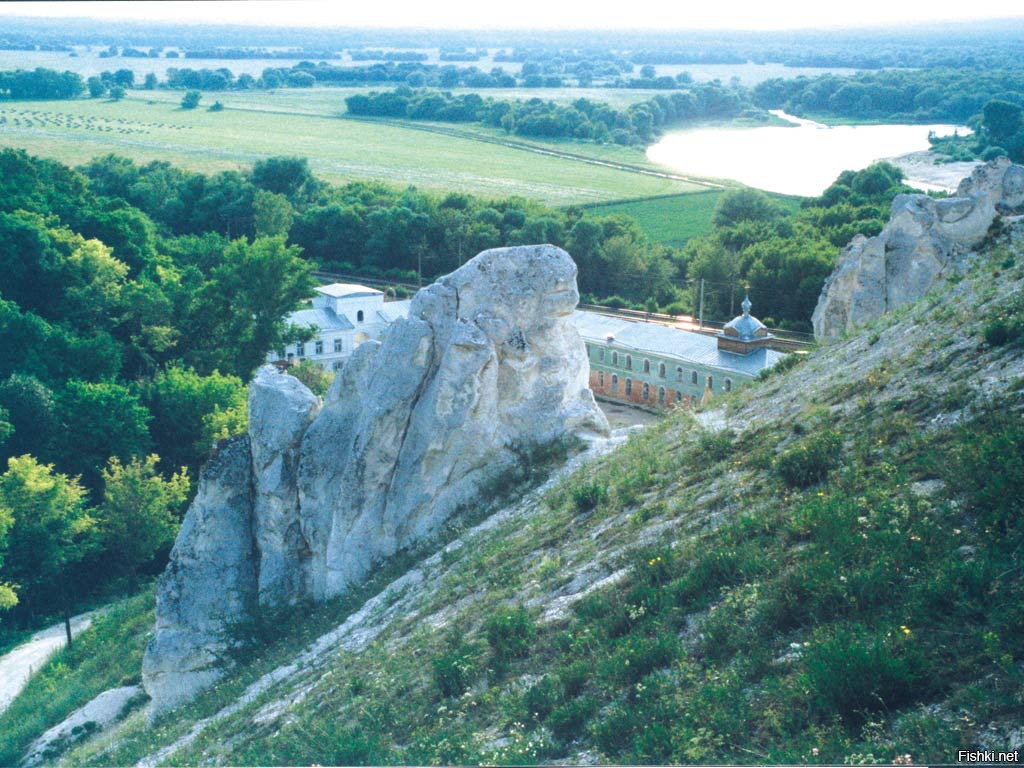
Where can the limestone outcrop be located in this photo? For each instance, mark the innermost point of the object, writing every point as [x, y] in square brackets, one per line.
[210, 581]
[410, 432]
[925, 241]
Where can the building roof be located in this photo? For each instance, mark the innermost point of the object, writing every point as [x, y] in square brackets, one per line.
[392, 310]
[324, 318]
[684, 346]
[746, 326]
[346, 290]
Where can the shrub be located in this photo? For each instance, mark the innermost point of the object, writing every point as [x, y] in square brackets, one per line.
[540, 698]
[509, 634]
[1006, 326]
[995, 440]
[715, 446]
[789, 361]
[853, 672]
[566, 721]
[588, 496]
[809, 462]
[455, 669]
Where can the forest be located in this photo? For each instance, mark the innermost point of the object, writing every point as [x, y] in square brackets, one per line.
[917, 96]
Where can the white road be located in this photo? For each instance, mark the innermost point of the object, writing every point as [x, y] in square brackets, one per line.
[19, 664]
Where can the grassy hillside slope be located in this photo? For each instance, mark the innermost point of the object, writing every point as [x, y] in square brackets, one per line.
[823, 567]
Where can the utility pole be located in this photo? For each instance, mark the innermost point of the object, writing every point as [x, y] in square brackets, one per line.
[701, 314]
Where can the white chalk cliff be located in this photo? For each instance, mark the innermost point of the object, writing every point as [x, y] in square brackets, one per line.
[413, 427]
[925, 241]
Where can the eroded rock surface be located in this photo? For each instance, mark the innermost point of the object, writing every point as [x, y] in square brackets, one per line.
[210, 581]
[925, 241]
[98, 715]
[413, 429]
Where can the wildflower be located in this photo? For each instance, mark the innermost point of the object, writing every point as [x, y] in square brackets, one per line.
[815, 751]
[904, 629]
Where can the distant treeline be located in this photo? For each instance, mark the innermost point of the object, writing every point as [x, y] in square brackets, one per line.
[960, 44]
[377, 55]
[257, 53]
[40, 83]
[905, 95]
[583, 119]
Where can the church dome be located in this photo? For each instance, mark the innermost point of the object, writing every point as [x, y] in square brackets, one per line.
[746, 326]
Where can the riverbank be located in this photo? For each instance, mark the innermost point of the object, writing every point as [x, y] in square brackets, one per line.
[923, 172]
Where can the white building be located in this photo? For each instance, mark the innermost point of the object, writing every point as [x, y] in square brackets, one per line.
[343, 315]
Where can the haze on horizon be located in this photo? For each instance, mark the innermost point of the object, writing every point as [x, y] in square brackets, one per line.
[530, 14]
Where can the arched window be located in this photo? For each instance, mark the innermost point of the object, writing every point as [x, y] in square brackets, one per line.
[600, 379]
[647, 366]
[600, 354]
[629, 387]
[359, 316]
[661, 370]
[615, 358]
[679, 373]
[661, 395]
[615, 384]
[629, 362]
[693, 377]
[728, 385]
[711, 382]
[647, 392]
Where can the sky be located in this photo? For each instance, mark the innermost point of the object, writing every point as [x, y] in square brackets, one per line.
[525, 14]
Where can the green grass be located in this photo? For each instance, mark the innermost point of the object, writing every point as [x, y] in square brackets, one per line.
[670, 220]
[107, 655]
[339, 150]
[675, 219]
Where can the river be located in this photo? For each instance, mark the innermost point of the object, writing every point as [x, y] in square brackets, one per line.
[798, 159]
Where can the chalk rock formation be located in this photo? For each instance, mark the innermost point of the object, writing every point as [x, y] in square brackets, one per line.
[925, 241]
[210, 581]
[486, 365]
[281, 408]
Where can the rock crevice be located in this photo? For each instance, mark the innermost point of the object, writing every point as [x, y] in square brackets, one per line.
[410, 431]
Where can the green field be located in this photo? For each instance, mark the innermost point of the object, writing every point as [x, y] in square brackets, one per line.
[155, 128]
[675, 219]
[669, 220]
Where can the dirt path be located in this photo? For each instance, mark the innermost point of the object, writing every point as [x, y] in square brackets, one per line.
[18, 665]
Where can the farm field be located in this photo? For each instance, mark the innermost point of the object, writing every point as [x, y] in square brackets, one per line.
[339, 150]
[674, 219]
[670, 220]
[330, 102]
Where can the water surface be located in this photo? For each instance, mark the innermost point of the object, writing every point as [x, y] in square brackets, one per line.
[799, 159]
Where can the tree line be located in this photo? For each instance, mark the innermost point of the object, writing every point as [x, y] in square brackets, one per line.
[893, 95]
[584, 119]
[40, 83]
[998, 132]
